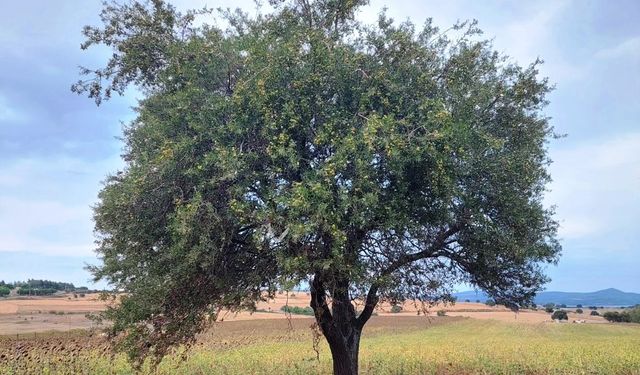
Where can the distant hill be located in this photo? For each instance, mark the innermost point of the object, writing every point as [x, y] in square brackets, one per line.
[605, 297]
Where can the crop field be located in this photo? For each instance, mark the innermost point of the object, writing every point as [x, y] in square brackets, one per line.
[63, 313]
[391, 345]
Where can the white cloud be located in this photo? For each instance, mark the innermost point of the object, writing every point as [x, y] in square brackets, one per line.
[597, 188]
[45, 204]
[628, 48]
[528, 37]
[9, 113]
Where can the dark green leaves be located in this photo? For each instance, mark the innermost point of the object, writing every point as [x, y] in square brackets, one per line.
[301, 144]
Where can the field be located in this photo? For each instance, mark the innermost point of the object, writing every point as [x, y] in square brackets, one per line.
[403, 345]
[493, 341]
[63, 313]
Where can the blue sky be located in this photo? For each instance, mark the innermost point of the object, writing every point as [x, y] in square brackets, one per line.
[56, 147]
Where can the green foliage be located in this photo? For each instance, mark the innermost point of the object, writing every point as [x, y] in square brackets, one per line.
[623, 317]
[579, 311]
[441, 313]
[490, 302]
[299, 145]
[560, 315]
[47, 284]
[27, 291]
[296, 310]
[549, 307]
[396, 309]
[594, 313]
[634, 314]
[4, 291]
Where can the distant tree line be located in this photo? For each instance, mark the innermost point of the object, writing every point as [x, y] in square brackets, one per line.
[631, 315]
[34, 287]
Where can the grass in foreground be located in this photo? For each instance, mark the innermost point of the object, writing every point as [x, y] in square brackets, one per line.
[459, 346]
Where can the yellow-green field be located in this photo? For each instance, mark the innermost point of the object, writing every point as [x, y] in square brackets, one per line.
[390, 346]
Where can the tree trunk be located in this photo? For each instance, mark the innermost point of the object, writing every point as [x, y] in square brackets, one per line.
[339, 325]
[344, 352]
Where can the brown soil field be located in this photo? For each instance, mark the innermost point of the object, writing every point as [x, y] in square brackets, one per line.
[222, 335]
[64, 313]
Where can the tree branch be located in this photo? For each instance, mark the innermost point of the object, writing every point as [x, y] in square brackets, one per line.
[372, 295]
[319, 304]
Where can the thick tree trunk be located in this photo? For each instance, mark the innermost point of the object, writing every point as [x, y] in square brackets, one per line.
[344, 352]
[340, 325]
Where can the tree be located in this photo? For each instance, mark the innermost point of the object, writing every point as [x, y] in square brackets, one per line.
[549, 307]
[490, 302]
[594, 313]
[560, 315]
[377, 163]
[4, 291]
[579, 311]
[617, 317]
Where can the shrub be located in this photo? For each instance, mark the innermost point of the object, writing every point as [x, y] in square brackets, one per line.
[560, 315]
[617, 317]
[4, 291]
[441, 313]
[27, 291]
[579, 306]
[396, 309]
[490, 302]
[466, 300]
[295, 310]
[595, 313]
[579, 311]
[548, 309]
[634, 314]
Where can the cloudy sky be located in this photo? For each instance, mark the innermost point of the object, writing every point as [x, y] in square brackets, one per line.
[56, 147]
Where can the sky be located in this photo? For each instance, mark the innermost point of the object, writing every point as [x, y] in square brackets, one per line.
[56, 147]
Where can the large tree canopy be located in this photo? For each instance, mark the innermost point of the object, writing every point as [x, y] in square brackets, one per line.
[374, 162]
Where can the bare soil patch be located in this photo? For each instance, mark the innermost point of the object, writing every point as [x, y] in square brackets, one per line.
[39, 314]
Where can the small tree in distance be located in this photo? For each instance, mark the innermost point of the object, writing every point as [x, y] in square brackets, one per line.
[560, 315]
[549, 307]
[377, 163]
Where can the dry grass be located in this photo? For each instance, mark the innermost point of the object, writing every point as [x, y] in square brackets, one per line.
[391, 345]
[38, 314]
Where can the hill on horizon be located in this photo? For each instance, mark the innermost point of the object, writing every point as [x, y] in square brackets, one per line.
[604, 297]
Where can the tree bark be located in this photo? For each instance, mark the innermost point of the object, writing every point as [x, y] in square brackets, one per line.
[339, 325]
[344, 352]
